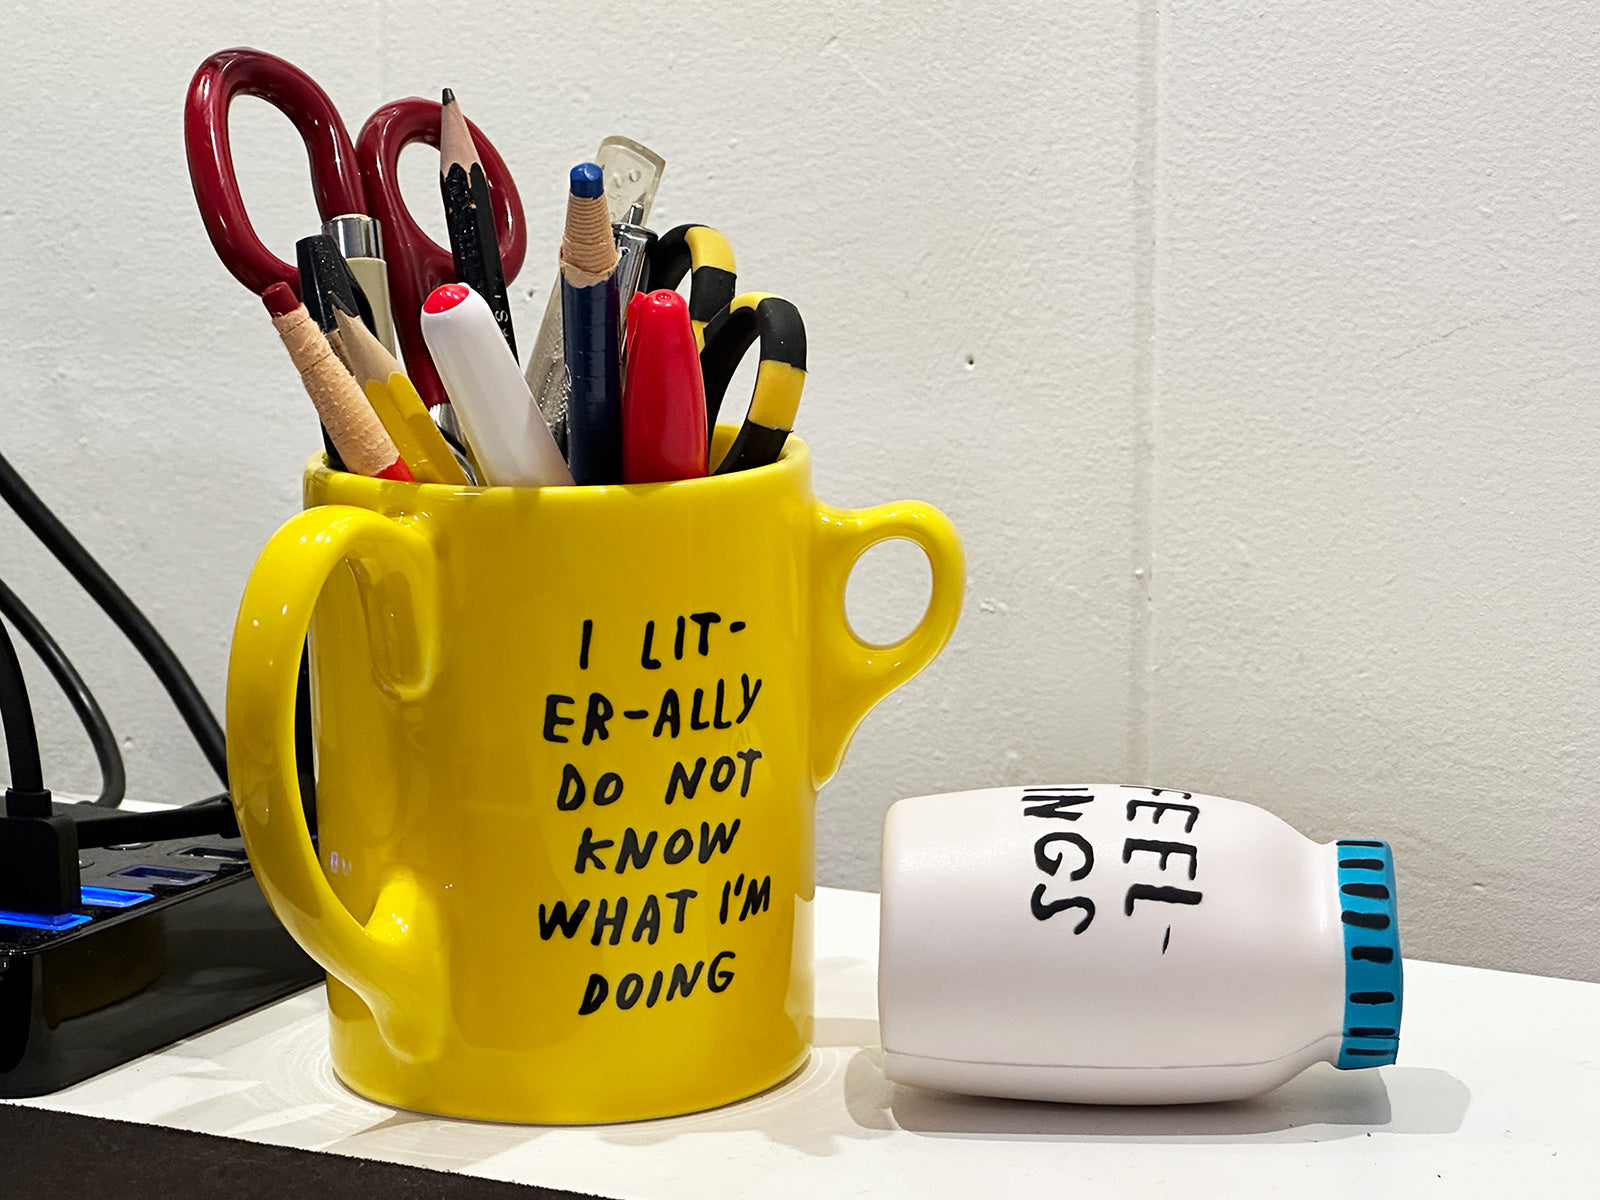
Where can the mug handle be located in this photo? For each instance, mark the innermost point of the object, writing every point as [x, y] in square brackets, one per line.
[396, 961]
[850, 675]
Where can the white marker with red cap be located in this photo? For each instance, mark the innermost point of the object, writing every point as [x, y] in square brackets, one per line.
[505, 430]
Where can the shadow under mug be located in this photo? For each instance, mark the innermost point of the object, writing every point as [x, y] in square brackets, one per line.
[568, 746]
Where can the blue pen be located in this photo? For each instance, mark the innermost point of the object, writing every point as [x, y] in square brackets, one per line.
[591, 332]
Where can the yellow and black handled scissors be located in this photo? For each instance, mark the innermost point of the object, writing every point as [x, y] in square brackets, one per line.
[726, 325]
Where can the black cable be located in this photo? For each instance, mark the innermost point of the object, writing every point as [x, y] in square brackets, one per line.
[98, 827]
[123, 612]
[22, 740]
[113, 778]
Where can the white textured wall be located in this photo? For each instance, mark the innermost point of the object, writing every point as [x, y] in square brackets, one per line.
[1377, 446]
[1250, 347]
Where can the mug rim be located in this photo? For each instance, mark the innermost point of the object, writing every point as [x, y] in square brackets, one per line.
[794, 457]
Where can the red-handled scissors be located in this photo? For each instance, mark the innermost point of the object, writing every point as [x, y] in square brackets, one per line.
[346, 177]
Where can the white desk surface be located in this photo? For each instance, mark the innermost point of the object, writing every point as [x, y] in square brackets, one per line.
[1497, 1092]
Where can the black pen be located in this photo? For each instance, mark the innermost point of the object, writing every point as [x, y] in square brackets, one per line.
[327, 283]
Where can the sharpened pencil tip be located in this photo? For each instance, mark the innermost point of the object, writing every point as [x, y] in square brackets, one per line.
[449, 97]
[588, 181]
[339, 305]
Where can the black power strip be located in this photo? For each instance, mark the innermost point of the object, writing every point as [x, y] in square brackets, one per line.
[172, 937]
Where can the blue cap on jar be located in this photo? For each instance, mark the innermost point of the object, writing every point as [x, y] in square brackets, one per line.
[1372, 974]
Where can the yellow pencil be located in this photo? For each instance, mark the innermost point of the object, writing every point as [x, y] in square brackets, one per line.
[395, 400]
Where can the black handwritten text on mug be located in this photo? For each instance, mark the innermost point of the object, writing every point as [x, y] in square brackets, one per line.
[610, 918]
[680, 712]
[572, 791]
[756, 897]
[709, 708]
[647, 659]
[630, 988]
[705, 620]
[636, 851]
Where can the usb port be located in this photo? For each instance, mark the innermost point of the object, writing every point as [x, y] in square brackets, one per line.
[173, 876]
[99, 897]
[43, 920]
[219, 853]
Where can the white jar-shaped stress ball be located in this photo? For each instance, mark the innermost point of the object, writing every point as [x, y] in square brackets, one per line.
[1128, 945]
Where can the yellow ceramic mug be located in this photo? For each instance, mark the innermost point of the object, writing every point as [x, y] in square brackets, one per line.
[568, 748]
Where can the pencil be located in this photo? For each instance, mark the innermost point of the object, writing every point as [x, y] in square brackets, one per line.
[591, 327]
[352, 425]
[404, 416]
[473, 243]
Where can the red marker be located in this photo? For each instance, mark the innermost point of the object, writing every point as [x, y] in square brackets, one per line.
[663, 396]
